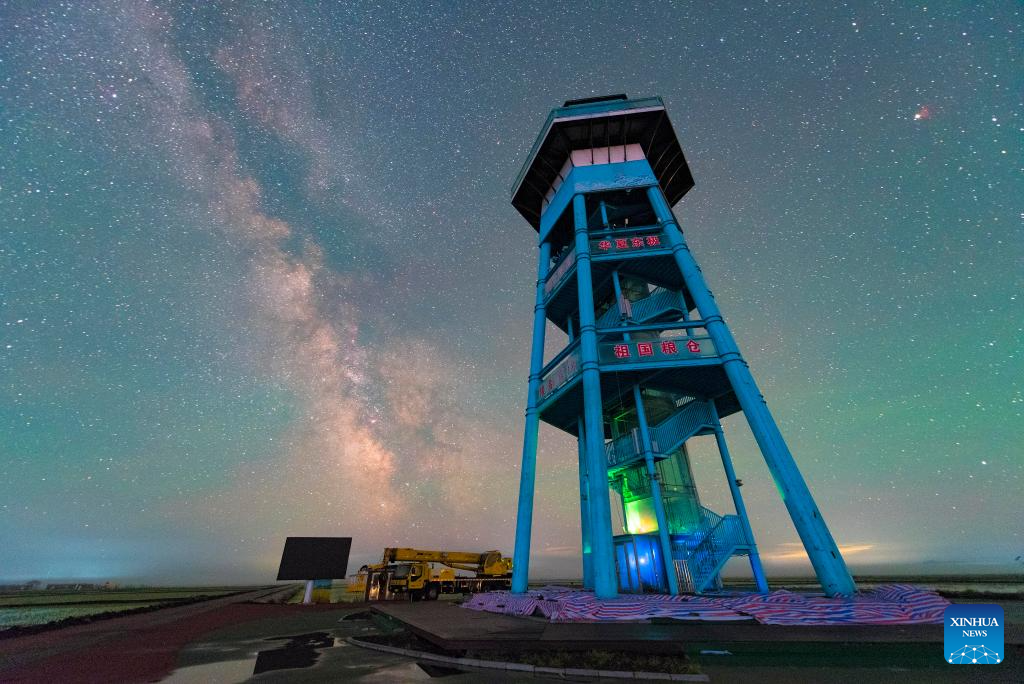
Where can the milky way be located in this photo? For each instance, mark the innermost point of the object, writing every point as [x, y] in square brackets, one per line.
[259, 274]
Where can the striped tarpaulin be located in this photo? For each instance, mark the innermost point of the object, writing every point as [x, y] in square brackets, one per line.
[894, 604]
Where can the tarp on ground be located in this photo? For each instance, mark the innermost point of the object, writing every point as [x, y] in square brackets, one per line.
[894, 604]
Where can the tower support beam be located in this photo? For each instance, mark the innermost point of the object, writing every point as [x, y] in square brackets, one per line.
[737, 500]
[602, 549]
[528, 471]
[821, 548]
[588, 569]
[659, 504]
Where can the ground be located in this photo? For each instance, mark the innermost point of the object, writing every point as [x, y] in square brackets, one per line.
[234, 639]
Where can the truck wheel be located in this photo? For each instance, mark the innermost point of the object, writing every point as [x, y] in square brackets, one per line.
[432, 592]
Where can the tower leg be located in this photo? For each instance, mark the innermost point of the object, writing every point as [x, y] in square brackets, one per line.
[821, 548]
[602, 549]
[588, 570]
[737, 500]
[659, 505]
[528, 472]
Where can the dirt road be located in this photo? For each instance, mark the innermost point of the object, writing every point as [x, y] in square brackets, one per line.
[133, 648]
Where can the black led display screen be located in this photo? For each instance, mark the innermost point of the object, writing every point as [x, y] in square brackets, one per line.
[309, 558]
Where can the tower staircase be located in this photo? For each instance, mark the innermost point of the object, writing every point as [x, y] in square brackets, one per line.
[661, 304]
[692, 418]
[701, 556]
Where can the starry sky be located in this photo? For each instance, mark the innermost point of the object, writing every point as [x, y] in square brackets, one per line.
[259, 273]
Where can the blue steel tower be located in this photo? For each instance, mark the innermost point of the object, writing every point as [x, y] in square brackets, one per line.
[649, 362]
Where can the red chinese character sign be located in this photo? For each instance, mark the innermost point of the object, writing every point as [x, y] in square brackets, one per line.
[650, 351]
[626, 244]
[559, 376]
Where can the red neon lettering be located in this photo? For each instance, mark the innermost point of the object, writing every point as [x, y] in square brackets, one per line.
[621, 351]
[645, 349]
[693, 346]
[637, 242]
[669, 348]
[604, 245]
[653, 240]
[621, 243]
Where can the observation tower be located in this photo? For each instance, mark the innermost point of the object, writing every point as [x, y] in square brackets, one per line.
[649, 363]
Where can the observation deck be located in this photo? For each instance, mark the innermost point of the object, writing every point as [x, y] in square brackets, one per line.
[613, 121]
[641, 252]
[686, 364]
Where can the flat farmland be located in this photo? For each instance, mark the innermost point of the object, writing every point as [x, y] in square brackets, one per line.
[30, 608]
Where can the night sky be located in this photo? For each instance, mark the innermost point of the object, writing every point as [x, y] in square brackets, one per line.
[259, 273]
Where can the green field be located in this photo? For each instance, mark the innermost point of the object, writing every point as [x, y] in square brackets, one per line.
[31, 598]
[40, 615]
[26, 608]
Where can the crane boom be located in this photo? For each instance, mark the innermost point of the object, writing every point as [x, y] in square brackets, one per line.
[488, 563]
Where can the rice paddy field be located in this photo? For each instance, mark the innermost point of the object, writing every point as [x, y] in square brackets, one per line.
[29, 608]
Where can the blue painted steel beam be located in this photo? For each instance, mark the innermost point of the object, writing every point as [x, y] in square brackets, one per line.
[654, 327]
[602, 548]
[821, 548]
[737, 500]
[581, 452]
[620, 366]
[528, 472]
[659, 505]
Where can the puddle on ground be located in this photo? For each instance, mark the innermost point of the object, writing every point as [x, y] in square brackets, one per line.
[302, 650]
[292, 652]
[360, 616]
[220, 672]
[406, 672]
[435, 670]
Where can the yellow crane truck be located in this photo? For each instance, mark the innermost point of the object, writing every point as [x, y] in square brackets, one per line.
[424, 575]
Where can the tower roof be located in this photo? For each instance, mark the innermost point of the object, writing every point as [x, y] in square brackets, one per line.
[601, 122]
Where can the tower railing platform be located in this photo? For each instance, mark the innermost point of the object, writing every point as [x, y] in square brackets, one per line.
[699, 373]
[684, 365]
[642, 252]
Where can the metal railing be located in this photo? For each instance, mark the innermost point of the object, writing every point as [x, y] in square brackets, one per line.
[627, 447]
[657, 303]
[666, 436]
[562, 269]
[681, 425]
[660, 302]
[559, 375]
